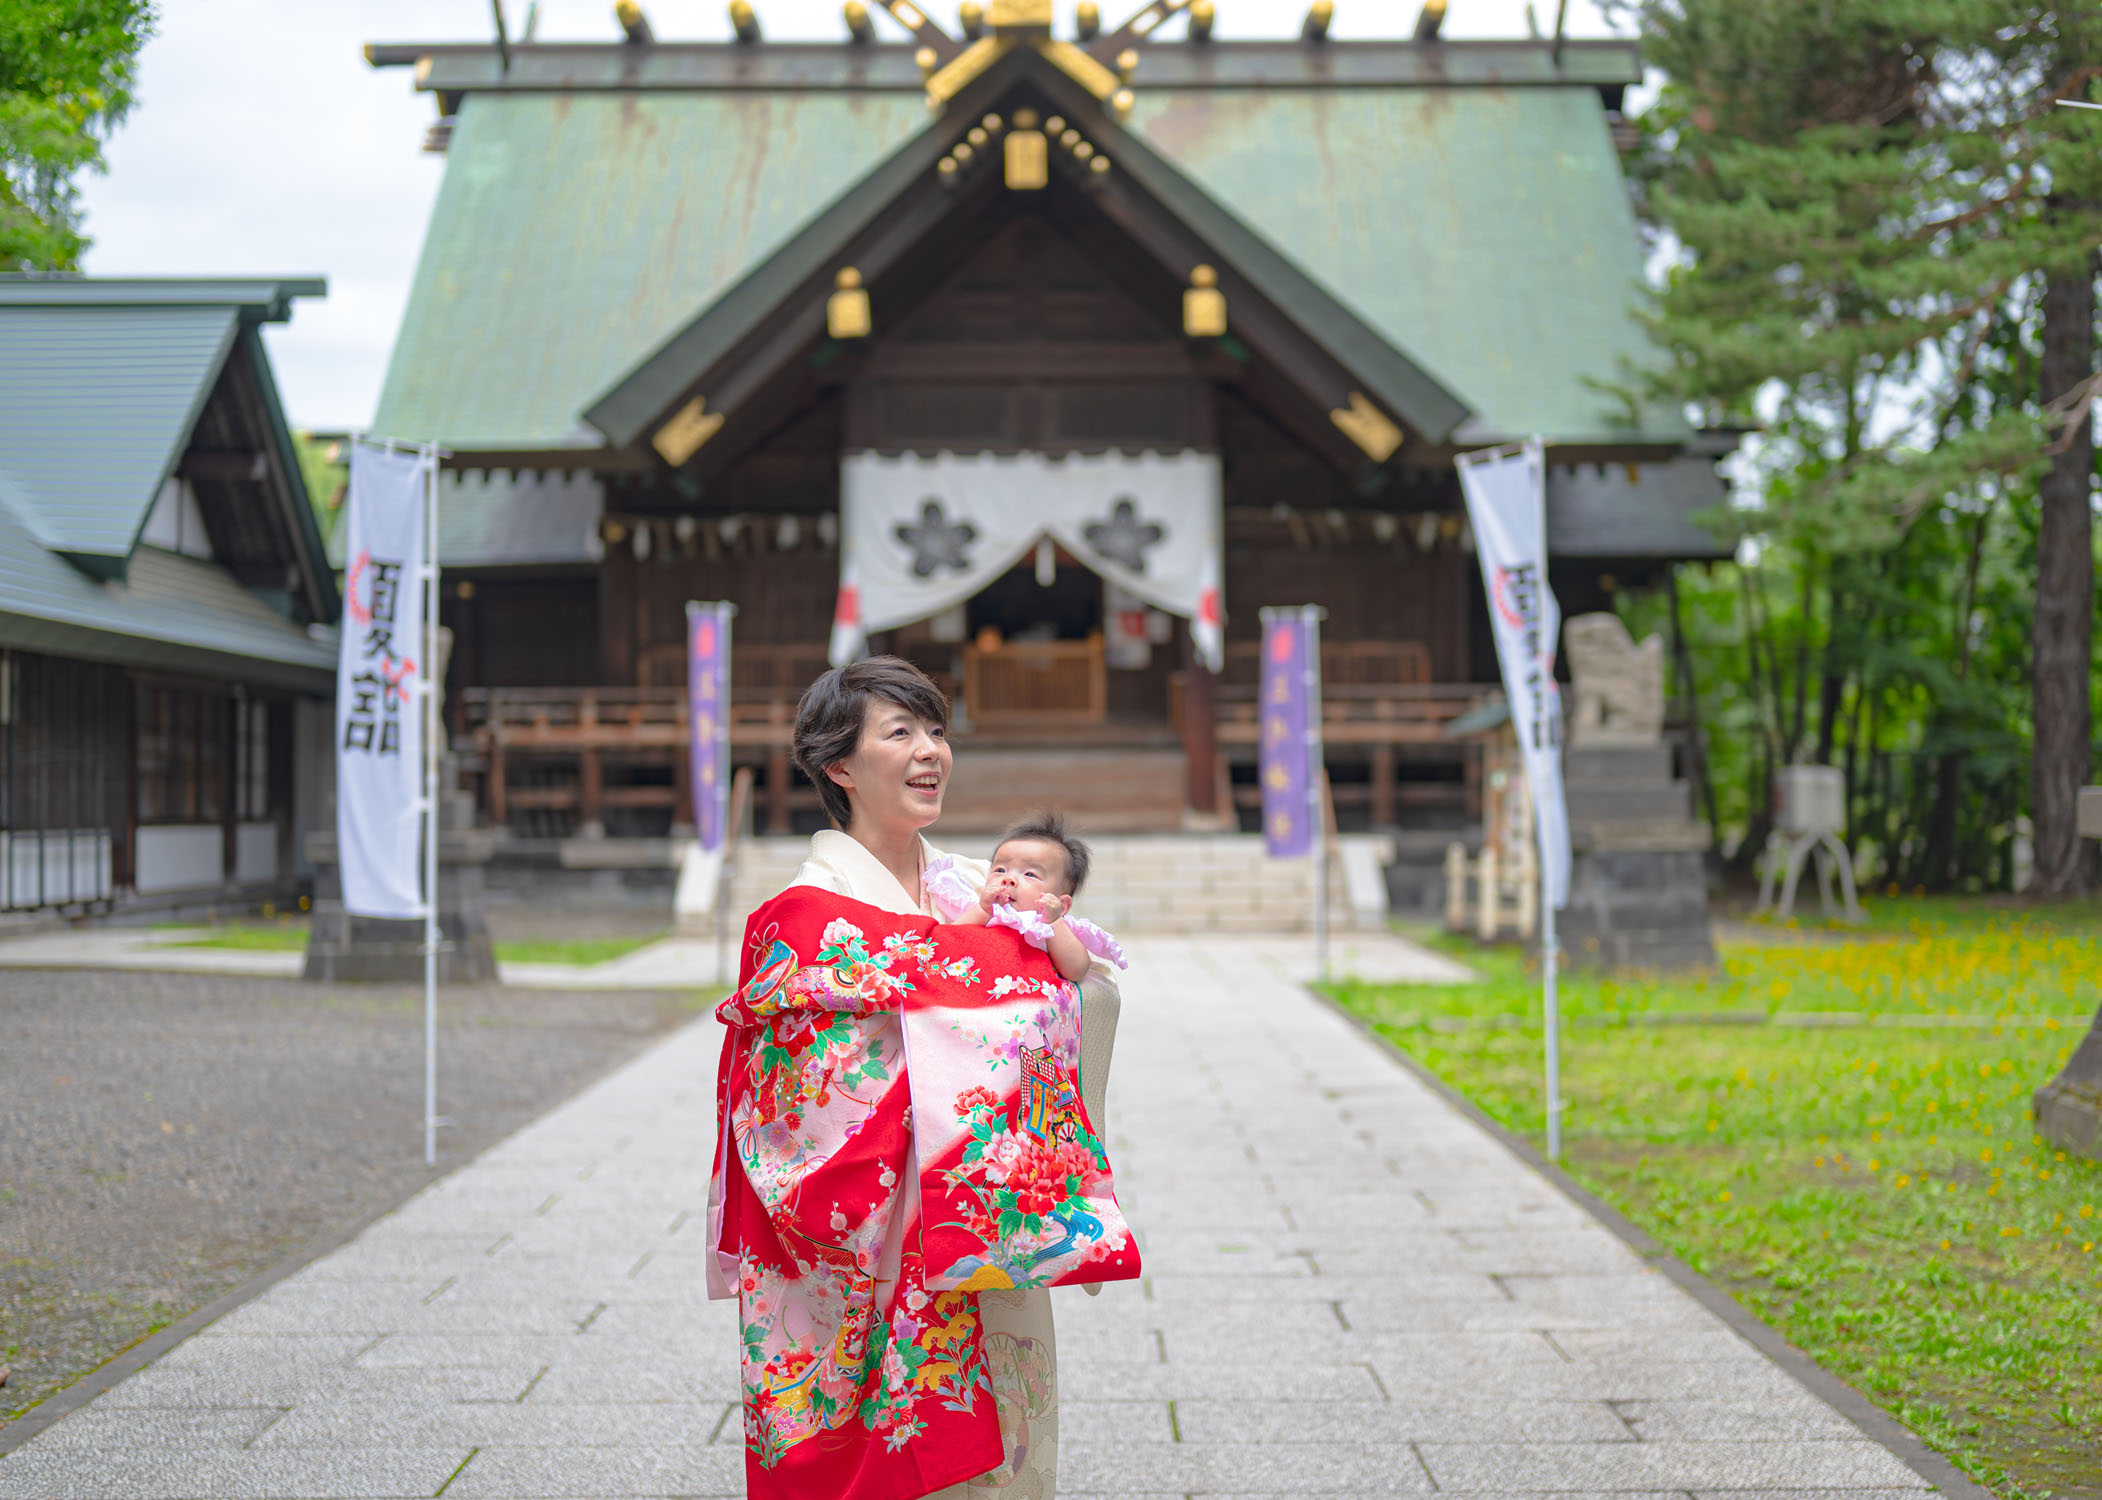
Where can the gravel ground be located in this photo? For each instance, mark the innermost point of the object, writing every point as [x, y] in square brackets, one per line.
[165, 1137]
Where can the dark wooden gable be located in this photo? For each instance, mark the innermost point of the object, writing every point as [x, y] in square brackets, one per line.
[1034, 341]
[253, 502]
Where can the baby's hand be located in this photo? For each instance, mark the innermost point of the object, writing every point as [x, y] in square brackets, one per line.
[1050, 908]
[988, 896]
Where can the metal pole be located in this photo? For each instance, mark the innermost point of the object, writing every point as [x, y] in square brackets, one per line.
[1316, 787]
[1548, 956]
[430, 810]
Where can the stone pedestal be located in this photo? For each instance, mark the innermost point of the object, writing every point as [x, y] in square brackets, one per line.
[1638, 889]
[384, 950]
[2069, 1107]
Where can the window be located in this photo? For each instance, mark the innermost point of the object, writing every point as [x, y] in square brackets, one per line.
[252, 749]
[182, 753]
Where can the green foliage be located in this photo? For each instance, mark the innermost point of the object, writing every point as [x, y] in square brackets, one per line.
[66, 74]
[1860, 201]
[1861, 1171]
[325, 467]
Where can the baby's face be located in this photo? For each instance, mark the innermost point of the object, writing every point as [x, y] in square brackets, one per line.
[1024, 870]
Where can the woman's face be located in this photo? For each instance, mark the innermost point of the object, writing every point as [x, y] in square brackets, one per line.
[898, 772]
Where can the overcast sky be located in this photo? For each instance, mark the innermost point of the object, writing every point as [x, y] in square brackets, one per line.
[262, 143]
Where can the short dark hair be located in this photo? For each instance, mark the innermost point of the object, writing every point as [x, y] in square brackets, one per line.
[833, 709]
[1050, 828]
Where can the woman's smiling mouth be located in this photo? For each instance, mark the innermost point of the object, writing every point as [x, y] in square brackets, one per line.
[928, 784]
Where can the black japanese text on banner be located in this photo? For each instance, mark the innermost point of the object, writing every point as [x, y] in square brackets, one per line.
[379, 717]
[1506, 490]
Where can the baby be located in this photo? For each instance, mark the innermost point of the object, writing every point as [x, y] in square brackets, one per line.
[1036, 871]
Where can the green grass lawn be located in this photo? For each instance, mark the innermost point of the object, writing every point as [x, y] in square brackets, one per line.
[580, 951]
[273, 935]
[289, 934]
[1875, 1191]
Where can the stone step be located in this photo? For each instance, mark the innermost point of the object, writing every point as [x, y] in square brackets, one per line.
[1611, 801]
[1616, 763]
[1164, 883]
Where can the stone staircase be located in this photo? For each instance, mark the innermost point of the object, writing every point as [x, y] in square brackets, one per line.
[1168, 883]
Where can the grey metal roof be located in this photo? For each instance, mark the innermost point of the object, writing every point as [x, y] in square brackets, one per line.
[173, 612]
[267, 298]
[507, 519]
[1637, 510]
[96, 403]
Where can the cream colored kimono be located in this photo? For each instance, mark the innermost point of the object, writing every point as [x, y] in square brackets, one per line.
[1021, 1347]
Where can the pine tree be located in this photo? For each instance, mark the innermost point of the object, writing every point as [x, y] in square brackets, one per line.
[1877, 211]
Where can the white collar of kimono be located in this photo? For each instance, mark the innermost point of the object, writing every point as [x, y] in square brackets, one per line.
[871, 879]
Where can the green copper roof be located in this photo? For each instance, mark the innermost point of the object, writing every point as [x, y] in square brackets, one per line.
[1485, 232]
[576, 232]
[1482, 232]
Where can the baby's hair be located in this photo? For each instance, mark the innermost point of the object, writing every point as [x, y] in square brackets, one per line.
[1050, 828]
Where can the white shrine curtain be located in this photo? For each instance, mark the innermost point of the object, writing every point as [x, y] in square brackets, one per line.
[920, 533]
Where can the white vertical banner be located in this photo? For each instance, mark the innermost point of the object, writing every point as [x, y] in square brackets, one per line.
[379, 709]
[1506, 490]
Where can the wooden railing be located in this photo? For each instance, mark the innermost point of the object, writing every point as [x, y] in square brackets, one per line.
[630, 726]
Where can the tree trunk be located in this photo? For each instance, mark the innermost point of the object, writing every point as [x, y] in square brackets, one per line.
[2065, 596]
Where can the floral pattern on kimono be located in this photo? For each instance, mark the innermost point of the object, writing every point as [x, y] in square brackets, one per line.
[865, 1374]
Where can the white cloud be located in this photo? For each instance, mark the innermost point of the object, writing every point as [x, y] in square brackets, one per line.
[262, 143]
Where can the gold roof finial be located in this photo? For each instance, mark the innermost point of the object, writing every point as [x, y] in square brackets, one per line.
[1318, 15]
[847, 309]
[634, 25]
[1204, 305]
[1087, 20]
[744, 21]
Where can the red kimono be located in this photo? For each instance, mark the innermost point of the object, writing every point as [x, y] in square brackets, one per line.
[900, 1128]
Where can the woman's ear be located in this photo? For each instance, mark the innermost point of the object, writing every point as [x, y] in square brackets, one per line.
[841, 777]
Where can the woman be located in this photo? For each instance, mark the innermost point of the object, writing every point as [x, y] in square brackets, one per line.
[872, 737]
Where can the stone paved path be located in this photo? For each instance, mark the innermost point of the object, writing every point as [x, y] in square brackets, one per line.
[1352, 1292]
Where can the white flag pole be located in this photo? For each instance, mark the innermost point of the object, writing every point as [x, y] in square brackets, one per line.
[430, 807]
[1550, 953]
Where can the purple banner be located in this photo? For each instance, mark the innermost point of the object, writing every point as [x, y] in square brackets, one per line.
[708, 701]
[1285, 762]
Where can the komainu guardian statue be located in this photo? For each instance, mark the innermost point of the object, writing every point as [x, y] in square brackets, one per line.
[1619, 685]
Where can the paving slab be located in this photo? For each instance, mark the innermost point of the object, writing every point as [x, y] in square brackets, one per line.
[1352, 1290]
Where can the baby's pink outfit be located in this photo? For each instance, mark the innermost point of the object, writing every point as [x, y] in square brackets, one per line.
[955, 897]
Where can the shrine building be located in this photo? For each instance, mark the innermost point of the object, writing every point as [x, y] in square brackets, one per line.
[1045, 360]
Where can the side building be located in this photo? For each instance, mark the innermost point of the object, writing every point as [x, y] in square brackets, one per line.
[167, 613]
